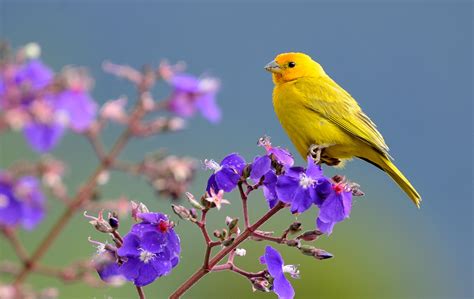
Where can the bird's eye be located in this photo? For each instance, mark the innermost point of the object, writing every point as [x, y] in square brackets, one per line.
[291, 64]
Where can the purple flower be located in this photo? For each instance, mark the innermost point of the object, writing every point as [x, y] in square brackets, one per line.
[22, 202]
[79, 108]
[43, 137]
[226, 174]
[269, 188]
[191, 94]
[277, 269]
[301, 188]
[106, 265]
[34, 74]
[151, 249]
[281, 155]
[75, 109]
[335, 208]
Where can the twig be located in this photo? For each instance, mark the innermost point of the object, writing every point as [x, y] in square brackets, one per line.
[225, 251]
[81, 197]
[18, 247]
[141, 294]
[244, 196]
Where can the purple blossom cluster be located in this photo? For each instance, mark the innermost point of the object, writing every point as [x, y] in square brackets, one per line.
[21, 201]
[296, 186]
[150, 250]
[43, 104]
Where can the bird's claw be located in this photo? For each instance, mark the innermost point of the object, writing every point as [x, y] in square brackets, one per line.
[316, 151]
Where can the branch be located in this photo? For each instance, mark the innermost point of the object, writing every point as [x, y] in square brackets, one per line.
[225, 251]
[81, 197]
[18, 247]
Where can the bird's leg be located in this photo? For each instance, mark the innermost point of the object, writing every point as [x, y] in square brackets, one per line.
[316, 151]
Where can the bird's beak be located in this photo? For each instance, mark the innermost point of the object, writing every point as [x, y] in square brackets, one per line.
[273, 67]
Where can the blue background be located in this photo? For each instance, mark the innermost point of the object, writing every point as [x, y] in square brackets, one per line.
[409, 64]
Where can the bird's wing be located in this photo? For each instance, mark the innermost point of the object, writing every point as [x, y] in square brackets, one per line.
[331, 101]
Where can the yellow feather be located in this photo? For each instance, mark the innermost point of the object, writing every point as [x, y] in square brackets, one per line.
[313, 109]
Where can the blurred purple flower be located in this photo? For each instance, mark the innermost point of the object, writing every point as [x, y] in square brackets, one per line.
[105, 263]
[34, 74]
[191, 94]
[75, 109]
[335, 208]
[226, 174]
[42, 137]
[151, 248]
[277, 269]
[79, 108]
[21, 201]
[299, 187]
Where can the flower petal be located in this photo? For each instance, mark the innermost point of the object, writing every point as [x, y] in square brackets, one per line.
[332, 209]
[147, 274]
[324, 227]
[303, 200]
[260, 166]
[323, 190]
[80, 108]
[282, 156]
[153, 241]
[235, 161]
[206, 104]
[131, 243]
[226, 179]
[286, 187]
[283, 288]
[130, 269]
[314, 171]
[43, 137]
[274, 261]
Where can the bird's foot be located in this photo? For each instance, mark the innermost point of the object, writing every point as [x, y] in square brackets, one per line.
[316, 152]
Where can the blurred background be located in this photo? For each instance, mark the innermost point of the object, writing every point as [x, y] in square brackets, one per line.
[408, 64]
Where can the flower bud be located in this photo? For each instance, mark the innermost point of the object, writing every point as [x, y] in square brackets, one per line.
[322, 254]
[217, 234]
[247, 170]
[183, 213]
[113, 220]
[260, 284]
[310, 235]
[294, 227]
[137, 209]
[307, 249]
[232, 224]
[228, 242]
[293, 243]
[99, 223]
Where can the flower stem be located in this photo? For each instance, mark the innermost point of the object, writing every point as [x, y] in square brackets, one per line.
[141, 293]
[81, 197]
[11, 236]
[201, 272]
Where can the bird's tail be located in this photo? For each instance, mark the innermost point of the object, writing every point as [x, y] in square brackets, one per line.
[399, 178]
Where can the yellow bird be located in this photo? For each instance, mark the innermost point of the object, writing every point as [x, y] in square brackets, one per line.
[317, 113]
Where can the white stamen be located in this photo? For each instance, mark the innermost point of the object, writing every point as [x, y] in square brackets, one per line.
[211, 164]
[146, 256]
[240, 252]
[306, 181]
[292, 270]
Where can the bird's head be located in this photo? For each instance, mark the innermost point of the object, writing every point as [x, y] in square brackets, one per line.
[291, 66]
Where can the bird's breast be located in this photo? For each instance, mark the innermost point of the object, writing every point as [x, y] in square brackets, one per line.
[305, 126]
